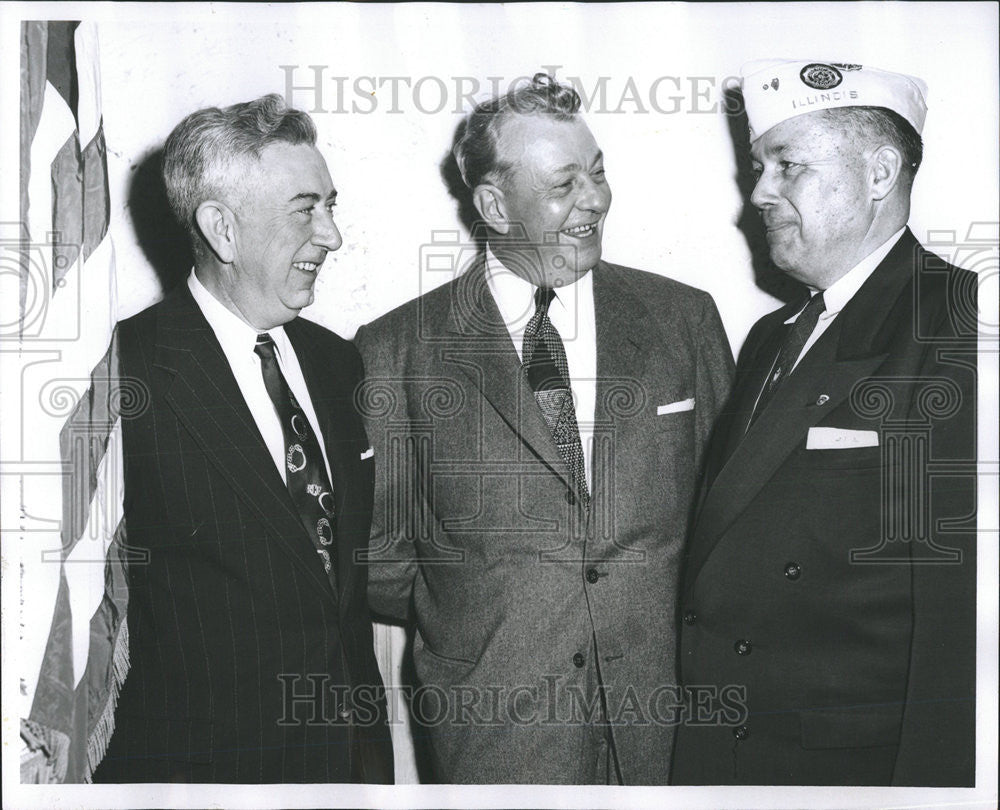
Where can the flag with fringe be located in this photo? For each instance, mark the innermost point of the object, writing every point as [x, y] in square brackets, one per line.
[66, 468]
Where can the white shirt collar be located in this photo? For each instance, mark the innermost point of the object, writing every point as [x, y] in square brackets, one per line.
[515, 297]
[844, 288]
[236, 336]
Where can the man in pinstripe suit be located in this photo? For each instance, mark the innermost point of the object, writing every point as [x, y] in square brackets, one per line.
[251, 643]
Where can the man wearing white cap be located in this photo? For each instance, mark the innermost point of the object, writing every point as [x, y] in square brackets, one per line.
[830, 577]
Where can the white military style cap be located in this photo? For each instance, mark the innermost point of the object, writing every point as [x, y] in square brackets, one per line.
[775, 90]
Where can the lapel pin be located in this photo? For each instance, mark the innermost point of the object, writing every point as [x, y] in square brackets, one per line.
[823, 399]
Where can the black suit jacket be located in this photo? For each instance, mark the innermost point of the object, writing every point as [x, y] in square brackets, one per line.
[832, 591]
[242, 652]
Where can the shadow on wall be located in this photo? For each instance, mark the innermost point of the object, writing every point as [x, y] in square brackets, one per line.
[165, 244]
[451, 175]
[766, 276]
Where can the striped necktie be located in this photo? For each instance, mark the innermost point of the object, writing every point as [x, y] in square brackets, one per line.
[791, 348]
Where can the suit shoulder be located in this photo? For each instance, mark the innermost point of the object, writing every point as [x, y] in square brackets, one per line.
[141, 327]
[938, 300]
[778, 316]
[321, 334]
[667, 299]
[400, 323]
[944, 285]
[775, 317]
[341, 353]
[647, 284]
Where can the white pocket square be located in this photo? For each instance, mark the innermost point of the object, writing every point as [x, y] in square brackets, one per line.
[368, 453]
[676, 407]
[830, 438]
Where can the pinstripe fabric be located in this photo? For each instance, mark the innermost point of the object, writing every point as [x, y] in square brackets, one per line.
[233, 613]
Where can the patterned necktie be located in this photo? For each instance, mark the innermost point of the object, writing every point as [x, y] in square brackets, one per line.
[795, 340]
[305, 470]
[548, 374]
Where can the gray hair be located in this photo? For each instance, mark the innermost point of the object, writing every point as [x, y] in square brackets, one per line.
[476, 150]
[877, 125]
[201, 154]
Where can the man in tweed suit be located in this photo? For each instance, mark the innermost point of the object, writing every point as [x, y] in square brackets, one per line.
[248, 483]
[538, 425]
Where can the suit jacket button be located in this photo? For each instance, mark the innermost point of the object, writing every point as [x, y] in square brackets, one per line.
[743, 647]
[793, 570]
[578, 660]
[592, 575]
[570, 497]
[741, 732]
[690, 617]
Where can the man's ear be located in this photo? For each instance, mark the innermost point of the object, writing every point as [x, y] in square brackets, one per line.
[492, 207]
[886, 167]
[217, 224]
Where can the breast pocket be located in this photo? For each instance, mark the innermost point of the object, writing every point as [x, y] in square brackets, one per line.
[860, 458]
[839, 447]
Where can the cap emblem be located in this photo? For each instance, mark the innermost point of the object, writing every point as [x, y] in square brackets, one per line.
[820, 77]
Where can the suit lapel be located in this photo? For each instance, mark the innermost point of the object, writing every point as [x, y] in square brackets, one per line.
[850, 350]
[206, 399]
[623, 333]
[485, 353]
[777, 432]
[749, 388]
[628, 337]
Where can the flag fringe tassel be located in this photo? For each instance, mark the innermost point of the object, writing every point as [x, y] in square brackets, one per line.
[100, 737]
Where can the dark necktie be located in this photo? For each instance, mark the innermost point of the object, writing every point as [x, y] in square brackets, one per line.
[548, 374]
[305, 470]
[795, 340]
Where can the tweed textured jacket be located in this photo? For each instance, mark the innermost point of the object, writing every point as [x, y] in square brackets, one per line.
[524, 600]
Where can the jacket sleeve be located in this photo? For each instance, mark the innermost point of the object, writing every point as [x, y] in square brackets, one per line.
[714, 371]
[937, 741]
[392, 554]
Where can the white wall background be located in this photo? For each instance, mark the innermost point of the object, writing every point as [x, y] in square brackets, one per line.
[675, 200]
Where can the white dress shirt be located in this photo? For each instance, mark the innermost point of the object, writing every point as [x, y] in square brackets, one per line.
[238, 339]
[572, 314]
[843, 289]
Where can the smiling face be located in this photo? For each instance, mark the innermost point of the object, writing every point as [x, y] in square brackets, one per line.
[283, 230]
[815, 196]
[555, 198]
